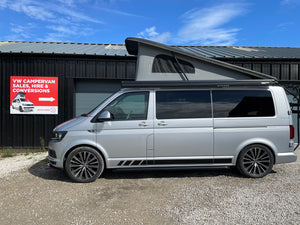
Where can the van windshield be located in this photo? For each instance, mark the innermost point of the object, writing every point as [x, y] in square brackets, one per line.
[24, 100]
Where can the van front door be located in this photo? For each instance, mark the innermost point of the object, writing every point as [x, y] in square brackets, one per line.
[126, 137]
[183, 127]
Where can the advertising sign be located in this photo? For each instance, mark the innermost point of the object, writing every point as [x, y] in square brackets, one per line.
[33, 95]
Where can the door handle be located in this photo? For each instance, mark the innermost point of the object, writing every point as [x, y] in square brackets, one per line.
[143, 124]
[92, 131]
[162, 123]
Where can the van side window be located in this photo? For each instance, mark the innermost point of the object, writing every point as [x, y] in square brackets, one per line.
[168, 64]
[243, 103]
[183, 104]
[129, 106]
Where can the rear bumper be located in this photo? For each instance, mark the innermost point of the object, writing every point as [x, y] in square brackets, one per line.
[286, 157]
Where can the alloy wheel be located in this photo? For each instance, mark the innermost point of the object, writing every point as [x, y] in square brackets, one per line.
[84, 164]
[256, 161]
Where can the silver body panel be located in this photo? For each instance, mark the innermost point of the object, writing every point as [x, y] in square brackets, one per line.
[177, 142]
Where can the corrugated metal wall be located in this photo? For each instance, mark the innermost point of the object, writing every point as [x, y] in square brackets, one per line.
[27, 130]
[281, 69]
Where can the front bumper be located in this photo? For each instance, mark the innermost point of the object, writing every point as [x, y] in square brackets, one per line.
[28, 108]
[55, 155]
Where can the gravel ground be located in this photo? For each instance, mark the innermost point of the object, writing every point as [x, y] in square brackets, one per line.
[42, 195]
[8, 165]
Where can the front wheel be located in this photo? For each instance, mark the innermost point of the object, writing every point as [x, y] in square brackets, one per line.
[255, 161]
[84, 164]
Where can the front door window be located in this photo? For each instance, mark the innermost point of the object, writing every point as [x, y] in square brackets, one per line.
[129, 106]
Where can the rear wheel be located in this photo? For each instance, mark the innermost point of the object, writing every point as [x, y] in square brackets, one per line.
[84, 164]
[255, 161]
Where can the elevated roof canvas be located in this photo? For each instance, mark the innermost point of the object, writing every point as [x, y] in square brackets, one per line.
[134, 46]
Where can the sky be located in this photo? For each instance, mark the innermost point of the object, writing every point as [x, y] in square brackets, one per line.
[172, 22]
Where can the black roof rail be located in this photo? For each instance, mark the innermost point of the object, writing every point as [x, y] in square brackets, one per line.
[193, 84]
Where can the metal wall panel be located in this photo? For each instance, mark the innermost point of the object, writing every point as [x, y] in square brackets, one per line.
[121, 70]
[100, 69]
[275, 71]
[294, 74]
[26, 131]
[266, 68]
[282, 69]
[285, 72]
[131, 68]
[257, 67]
[247, 65]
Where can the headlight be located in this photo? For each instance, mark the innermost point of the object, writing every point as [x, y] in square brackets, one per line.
[58, 135]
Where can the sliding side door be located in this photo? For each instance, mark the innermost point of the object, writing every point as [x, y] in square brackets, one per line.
[183, 127]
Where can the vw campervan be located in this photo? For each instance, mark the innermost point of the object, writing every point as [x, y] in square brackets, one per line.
[175, 124]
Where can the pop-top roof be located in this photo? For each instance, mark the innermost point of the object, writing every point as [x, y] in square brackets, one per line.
[205, 65]
[120, 50]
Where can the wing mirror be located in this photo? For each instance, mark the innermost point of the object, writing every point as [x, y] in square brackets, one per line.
[104, 116]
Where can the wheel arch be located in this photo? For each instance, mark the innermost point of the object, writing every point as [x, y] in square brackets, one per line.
[263, 142]
[85, 145]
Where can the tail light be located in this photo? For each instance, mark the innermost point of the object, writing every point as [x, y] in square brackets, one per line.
[292, 132]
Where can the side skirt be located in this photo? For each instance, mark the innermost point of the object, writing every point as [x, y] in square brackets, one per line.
[171, 162]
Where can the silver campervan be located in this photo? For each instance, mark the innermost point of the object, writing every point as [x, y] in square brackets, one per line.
[167, 124]
[183, 109]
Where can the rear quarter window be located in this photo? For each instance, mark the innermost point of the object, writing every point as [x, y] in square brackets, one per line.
[243, 103]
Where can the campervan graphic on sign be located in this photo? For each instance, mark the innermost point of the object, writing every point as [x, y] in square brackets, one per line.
[21, 103]
[33, 95]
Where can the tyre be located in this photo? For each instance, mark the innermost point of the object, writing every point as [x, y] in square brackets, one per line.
[84, 164]
[255, 161]
[21, 109]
